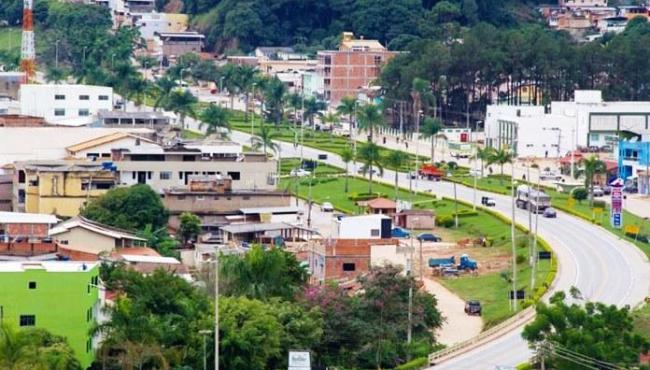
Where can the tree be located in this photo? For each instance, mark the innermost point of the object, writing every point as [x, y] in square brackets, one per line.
[484, 155]
[182, 103]
[245, 79]
[161, 91]
[596, 334]
[348, 106]
[190, 226]
[294, 101]
[330, 119]
[370, 118]
[347, 156]
[56, 74]
[262, 274]
[136, 87]
[430, 130]
[591, 167]
[274, 95]
[131, 208]
[500, 157]
[264, 139]
[313, 108]
[216, 120]
[397, 159]
[369, 155]
[579, 194]
[34, 349]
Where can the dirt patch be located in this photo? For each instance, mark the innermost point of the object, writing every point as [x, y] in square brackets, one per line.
[489, 259]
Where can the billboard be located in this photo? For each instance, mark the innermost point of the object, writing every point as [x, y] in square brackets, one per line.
[616, 214]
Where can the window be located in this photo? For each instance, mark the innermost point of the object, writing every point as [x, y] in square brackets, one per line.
[59, 112]
[84, 97]
[103, 97]
[234, 175]
[374, 232]
[594, 137]
[165, 175]
[377, 59]
[59, 97]
[246, 197]
[84, 112]
[180, 175]
[181, 197]
[32, 285]
[27, 320]
[349, 267]
[199, 197]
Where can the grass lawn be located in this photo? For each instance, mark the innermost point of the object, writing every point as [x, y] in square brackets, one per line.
[490, 288]
[10, 38]
[191, 135]
[642, 321]
[289, 164]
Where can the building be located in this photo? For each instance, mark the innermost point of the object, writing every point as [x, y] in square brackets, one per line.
[415, 219]
[64, 103]
[313, 84]
[532, 131]
[119, 119]
[364, 227]
[170, 167]
[265, 233]
[49, 143]
[634, 161]
[213, 199]
[151, 23]
[355, 65]
[140, 6]
[18, 120]
[26, 235]
[83, 239]
[177, 44]
[632, 11]
[102, 147]
[380, 206]
[59, 187]
[10, 84]
[582, 3]
[61, 297]
[6, 191]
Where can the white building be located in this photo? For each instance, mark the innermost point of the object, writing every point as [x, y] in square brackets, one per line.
[364, 227]
[151, 23]
[65, 104]
[587, 121]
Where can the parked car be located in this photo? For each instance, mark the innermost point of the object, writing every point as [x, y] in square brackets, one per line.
[598, 191]
[550, 213]
[607, 189]
[428, 237]
[299, 172]
[327, 207]
[631, 188]
[473, 307]
[322, 157]
[549, 175]
[488, 202]
[412, 175]
[399, 232]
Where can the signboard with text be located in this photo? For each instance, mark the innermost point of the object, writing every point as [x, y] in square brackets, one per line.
[617, 203]
[299, 360]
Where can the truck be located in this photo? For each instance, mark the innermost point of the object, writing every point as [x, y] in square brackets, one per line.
[442, 262]
[466, 263]
[532, 200]
[430, 172]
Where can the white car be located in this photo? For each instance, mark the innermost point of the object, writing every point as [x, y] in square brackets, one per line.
[598, 191]
[549, 175]
[299, 172]
[327, 207]
[475, 173]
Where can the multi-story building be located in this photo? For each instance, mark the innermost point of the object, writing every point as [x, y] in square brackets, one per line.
[59, 187]
[6, 186]
[177, 44]
[582, 3]
[30, 288]
[120, 119]
[151, 23]
[354, 66]
[169, 167]
[65, 103]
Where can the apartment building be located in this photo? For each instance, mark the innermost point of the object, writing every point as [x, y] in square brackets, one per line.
[29, 289]
[65, 104]
[354, 66]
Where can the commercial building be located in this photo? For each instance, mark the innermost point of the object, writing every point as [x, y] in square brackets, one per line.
[64, 103]
[58, 187]
[61, 297]
[587, 121]
[364, 227]
[120, 119]
[266, 233]
[354, 66]
[177, 44]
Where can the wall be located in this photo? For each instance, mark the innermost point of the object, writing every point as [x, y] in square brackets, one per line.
[84, 240]
[70, 291]
[105, 149]
[31, 230]
[6, 191]
[39, 100]
[357, 227]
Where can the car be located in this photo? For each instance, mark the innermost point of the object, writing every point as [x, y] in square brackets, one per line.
[549, 175]
[399, 232]
[488, 202]
[550, 213]
[299, 172]
[428, 237]
[412, 175]
[607, 189]
[474, 172]
[473, 307]
[322, 157]
[598, 191]
[327, 207]
[374, 172]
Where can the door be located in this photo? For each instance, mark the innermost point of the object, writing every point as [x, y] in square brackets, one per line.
[142, 177]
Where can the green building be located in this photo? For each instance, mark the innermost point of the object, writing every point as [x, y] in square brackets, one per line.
[59, 296]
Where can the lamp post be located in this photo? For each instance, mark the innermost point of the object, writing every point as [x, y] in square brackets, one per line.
[112, 61]
[253, 113]
[512, 236]
[84, 55]
[221, 84]
[205, 334]
[216, 308]
[56, 53]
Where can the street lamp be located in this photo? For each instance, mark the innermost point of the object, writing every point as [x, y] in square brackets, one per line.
[113, 61]
[84, 55]
[221, 84]
[205, 334]
[56, 53]
[215, 261]
[253, 113]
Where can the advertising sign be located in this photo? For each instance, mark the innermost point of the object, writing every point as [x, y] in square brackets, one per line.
[299, 360]
[617, 203]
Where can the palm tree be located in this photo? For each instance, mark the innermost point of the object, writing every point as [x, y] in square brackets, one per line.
[56, 74]
[348, 106]
[244, 80]
[370, 118]
[430, 130]
[591, 167]
[136, 88]
[330, 119]
[369, 155]
[312, 108]
[347, 156]
[294, 101]
[500, 157]
[484, 155]
[419, 92]
[161, 90]
[182, 103]
[264, 139]
[216, 120]
[230, 81]
[396, 160]
[274, 94]
[34, 349]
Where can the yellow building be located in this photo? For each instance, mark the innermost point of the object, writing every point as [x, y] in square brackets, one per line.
[59, 187]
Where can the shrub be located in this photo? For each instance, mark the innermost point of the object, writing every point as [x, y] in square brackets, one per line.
[599, 203]
[452, 165]
[355, 197]
[445, 221]
[467, 213]
[415, 364]
[521, 259]
[579, 194]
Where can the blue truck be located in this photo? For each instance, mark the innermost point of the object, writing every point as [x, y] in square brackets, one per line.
[466, 263]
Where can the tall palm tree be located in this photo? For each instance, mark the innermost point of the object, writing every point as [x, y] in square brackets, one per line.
[500, 157]
[230, 81]
[161, 90]
[244, 80]
[347, 156]
[313, 108]
[419, 89]
[136, 88]
[56, 74]
[369, 155]
[396, 160]
[216, 120]
[330, 119]
[264, 139]
[182, 103]
[484, 155]
[348, 106]
[430, 130]
[294, 101]
[370, 118]
[274, 94]
[590, 167]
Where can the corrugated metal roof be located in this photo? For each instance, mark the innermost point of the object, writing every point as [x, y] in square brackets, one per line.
[27, 218]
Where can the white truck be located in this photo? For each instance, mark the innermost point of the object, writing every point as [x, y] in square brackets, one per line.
[531, 199]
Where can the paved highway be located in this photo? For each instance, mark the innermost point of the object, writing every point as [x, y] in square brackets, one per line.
[603, 267]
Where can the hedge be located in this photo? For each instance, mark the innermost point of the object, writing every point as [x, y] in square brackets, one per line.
[416, 364]
[355, 197]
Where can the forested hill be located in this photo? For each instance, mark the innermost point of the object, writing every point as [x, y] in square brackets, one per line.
[240, 25]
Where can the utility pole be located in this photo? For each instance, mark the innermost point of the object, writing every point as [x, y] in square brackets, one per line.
[512, 236]
[252, 115]
[534, 259]
[216, 310]
[311, 178]
[530, 208]
[573, 149]
[401, 118]
[410, 308]
[456, 207]
[475, 174]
